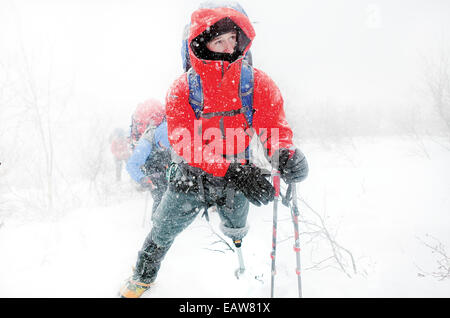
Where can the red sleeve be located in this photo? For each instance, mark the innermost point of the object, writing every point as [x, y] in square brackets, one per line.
[185, 139]
[269, 119]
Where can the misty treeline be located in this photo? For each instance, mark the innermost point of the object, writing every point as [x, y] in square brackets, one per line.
[52, 154]
[50, 144]
[427, 116]
[422, 111]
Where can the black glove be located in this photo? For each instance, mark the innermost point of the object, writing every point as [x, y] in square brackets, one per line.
[292, 165]
[248, 179]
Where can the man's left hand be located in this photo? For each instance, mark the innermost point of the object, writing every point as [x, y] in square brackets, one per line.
[292, 165]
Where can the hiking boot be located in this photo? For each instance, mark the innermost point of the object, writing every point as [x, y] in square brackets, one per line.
[133, 289]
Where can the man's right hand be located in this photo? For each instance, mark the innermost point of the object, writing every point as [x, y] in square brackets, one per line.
[249, 179]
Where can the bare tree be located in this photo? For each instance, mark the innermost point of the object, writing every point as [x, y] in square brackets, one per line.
[38, 102]
[34, 101]
[410, 122]
[316, 229]
[438, 249]
[5, 153]
[315, 233]
[437, 79]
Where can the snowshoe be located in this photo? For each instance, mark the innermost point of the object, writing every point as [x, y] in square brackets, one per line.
[133, 289]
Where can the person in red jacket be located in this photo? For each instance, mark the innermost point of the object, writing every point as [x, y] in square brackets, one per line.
[120, 148]
[145, 114]
[210, 165]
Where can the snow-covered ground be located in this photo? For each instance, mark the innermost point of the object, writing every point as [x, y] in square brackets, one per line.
[379, 198]
[72, 71]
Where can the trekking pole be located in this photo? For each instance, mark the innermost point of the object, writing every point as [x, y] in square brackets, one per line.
[144, 220]
[295, 215]
[241, 269]
[276, 185]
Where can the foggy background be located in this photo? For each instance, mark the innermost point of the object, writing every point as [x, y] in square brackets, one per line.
[366, 86]
[72, 71]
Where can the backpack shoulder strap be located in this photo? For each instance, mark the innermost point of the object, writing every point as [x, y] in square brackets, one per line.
[246, 90]
[195, 92]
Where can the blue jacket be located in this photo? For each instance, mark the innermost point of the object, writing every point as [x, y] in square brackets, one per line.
[145, 150]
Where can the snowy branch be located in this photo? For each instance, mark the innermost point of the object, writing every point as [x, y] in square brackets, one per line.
[443, 260]
[220, 240]
[339, 253]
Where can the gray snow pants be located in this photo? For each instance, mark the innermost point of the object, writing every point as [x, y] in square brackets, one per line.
[157, 193]
[175, 213]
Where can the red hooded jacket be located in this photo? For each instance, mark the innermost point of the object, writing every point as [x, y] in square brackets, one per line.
[220, 82]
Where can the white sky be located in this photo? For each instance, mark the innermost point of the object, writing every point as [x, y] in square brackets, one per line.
[114, 54]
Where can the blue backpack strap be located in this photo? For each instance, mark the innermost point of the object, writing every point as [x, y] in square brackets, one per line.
[245, 94]
[195, 92]
[246, 91]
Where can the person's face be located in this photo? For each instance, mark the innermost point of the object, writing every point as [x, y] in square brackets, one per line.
[224, 43]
